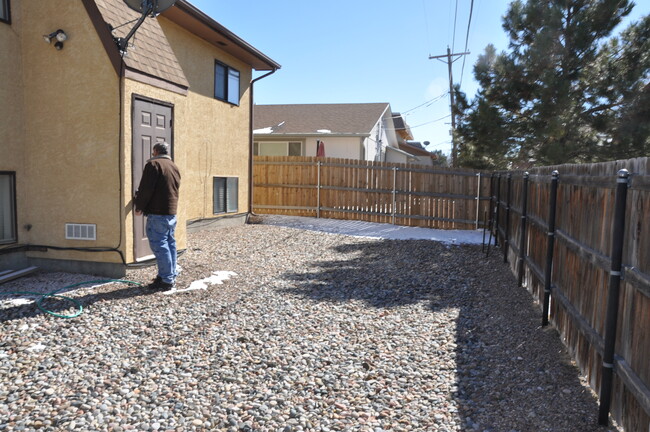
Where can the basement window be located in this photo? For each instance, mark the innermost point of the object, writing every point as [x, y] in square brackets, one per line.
[226, 195]
[226, 83]
[4, 11]
[7, 207]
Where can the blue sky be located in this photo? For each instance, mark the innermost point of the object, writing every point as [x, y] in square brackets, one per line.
[361, 51]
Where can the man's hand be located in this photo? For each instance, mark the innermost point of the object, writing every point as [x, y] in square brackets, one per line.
[138, 212]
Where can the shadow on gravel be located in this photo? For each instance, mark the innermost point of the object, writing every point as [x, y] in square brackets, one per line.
[512, 374]
[64, 306]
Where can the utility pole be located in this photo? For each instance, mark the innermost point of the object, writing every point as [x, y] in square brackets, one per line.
[449, 55]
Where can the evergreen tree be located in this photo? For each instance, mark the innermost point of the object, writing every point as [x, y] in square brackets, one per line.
[563, 92]
[621, 78]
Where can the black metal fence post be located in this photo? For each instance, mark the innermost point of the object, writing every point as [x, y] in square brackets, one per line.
[522, 237]
[618, 233]
[506, 239]
[490, 214]
[496, 211]
[550, 243]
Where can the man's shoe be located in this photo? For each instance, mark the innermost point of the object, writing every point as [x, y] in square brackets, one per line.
[159, 285]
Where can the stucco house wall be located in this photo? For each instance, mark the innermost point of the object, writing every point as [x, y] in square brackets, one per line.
[69, 140]
[216, 138]
[12, 107]
[66, 120]
[211, 137]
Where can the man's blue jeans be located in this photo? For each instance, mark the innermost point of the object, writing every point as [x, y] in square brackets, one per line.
[160, 232]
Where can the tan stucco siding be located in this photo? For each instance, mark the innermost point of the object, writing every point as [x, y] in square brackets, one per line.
[214, 135]
[69, 130]
[71, 141]
[211, 137]
[12, 108]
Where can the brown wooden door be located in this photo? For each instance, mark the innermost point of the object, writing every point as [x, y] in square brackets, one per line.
[152, 123]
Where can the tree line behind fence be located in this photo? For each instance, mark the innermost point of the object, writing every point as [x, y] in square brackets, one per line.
[576, 236]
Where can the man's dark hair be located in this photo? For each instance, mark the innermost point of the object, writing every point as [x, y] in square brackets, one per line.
[162, 148]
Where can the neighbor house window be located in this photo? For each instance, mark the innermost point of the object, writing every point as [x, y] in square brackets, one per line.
[226, 193]
[277, 148]
[4, 10]
[226, 83]
[7, 207]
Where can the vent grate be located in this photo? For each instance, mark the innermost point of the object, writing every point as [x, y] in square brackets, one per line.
[80, 231]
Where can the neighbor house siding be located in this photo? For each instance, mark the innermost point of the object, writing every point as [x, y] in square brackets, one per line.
[335, 147]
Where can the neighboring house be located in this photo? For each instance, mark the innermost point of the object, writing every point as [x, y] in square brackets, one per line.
[402, 128]
[423, 156]
[362, 131]
[78, 122]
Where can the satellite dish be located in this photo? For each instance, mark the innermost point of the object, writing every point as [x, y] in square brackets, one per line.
[153, 7]
[146, 8]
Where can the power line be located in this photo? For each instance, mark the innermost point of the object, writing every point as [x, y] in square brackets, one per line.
[432, 121]
[469, 23]
[426, 22]
[430, 101]
[453, 40]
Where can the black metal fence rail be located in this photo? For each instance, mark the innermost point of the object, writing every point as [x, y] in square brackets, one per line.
[531, 241]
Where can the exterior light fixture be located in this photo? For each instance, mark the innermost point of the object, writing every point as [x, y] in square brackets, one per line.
[59, 36]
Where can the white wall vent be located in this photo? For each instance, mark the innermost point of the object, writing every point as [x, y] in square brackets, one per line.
[80, 231]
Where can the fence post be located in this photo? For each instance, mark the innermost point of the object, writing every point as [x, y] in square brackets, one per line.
[506, 240]
[618, 233]
[394, 193]
[318, 192]
[478, 199]
[490, 214]
[496, 211]
[522, 237]
[550, 243]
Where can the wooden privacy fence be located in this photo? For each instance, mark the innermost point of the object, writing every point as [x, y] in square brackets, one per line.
[370, 191]
[578, 238]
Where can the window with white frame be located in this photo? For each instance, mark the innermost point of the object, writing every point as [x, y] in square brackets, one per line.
[278, 148]
[7, 207]
[4, 11]
[226, 83]
[225, 195]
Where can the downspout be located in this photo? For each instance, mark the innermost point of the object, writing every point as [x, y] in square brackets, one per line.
[250, 134]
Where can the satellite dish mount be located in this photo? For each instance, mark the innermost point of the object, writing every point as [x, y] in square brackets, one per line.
[150, 8]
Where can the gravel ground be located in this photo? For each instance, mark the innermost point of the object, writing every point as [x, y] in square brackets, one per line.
[310, 332]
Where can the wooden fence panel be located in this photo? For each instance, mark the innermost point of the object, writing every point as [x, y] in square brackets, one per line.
[371, 191]
[581, 267]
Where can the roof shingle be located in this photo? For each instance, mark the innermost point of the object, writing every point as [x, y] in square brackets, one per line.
[314, 119]
[151, 53]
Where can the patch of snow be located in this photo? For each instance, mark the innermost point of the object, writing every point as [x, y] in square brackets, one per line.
[217, 278]
[18, 302]
[266, 130]
[37, 347]
[324, 131]
[376, 230]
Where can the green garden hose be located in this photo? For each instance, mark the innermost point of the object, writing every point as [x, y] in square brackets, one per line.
[70, 299]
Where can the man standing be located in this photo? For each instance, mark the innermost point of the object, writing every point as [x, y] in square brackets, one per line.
[157, 198]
